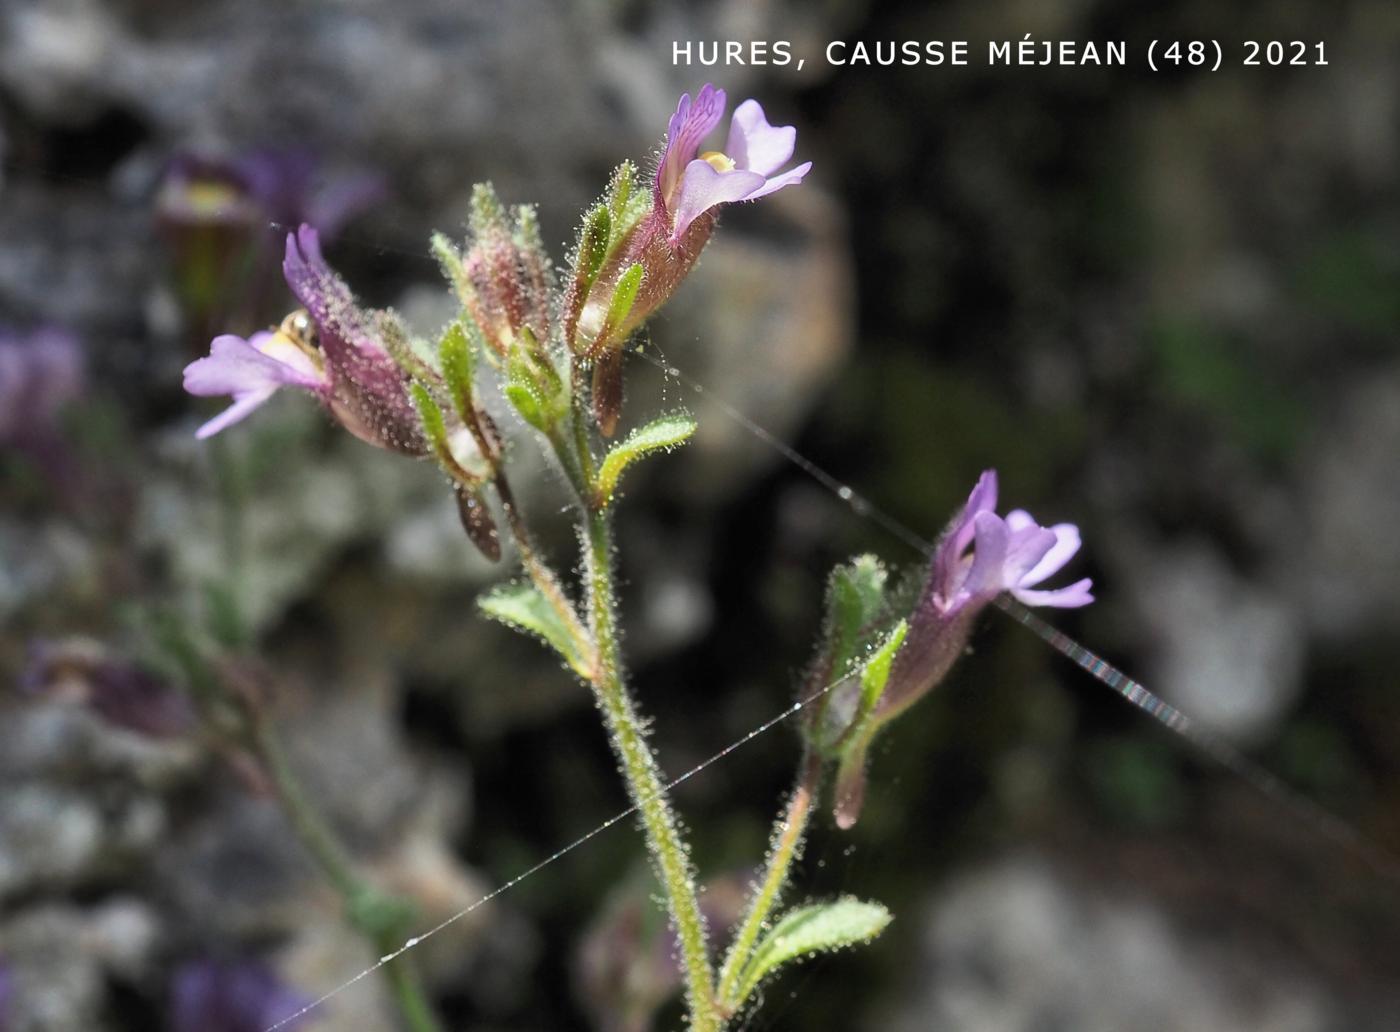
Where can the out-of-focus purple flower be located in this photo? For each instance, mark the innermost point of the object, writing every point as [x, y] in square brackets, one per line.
[210, 996]
[979, 556]
[40, 372]
[335, 350]
[119, 691]
[287, 184]
[7, 991]
[282, 187]
[223, 218]
[690, 183]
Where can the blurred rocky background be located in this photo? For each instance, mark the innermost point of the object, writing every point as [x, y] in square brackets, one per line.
[1165, 306]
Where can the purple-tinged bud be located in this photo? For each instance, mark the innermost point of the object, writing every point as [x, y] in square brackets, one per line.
[212, 996]
[504, 278]
[121, 692]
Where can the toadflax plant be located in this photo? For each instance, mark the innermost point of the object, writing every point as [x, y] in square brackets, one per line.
[554, 346]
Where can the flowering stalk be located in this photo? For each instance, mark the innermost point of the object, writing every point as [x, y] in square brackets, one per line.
[788, 835]
[644, 783]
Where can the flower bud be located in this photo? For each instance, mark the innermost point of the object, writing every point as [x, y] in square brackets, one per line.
[504, 278]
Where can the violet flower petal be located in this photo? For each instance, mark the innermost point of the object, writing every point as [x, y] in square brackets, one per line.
[776, 183]
[1067, 543]
[1071, 597]
[244, 405]
[756, 146]
[691, 123]
[702, 187]
[251, 371]
[957, 538]
[237, 366]
[992, 538]
[1026, 548]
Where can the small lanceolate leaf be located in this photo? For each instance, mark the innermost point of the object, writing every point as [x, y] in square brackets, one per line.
[523, 607]
[450, 259]
[855, 599]
[593, 245]
[434, 427]
[624, 296]
[808, 930]
[659, 435]
[455, 357]
[620, 192]
[877, 667]
[527, 403]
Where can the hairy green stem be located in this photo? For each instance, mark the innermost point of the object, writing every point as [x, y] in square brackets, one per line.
[788, 833]
[334, 861]
[644, 781]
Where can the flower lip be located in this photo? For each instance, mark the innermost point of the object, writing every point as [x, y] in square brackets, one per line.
[251, 371]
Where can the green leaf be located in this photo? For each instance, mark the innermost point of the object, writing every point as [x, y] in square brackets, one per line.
[487, 212]
[527, 403]
[624, 295]
[855, 600]
[620, 192]
[593, 245]
[659, 435]
[521, 606]
[434, 426]
[811, 929]
[450, 259]
[877, 667]
[455, 357]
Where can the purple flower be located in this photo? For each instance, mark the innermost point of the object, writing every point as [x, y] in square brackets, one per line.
[1012, 554]
[209, 996]
[690, 183]
[40, 372]
[119, 691]
[979, 556]
[260, 186]
[334, 349]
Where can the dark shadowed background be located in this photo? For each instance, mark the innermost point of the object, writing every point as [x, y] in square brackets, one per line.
[1163, 305]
